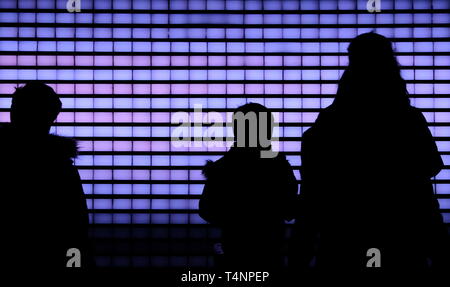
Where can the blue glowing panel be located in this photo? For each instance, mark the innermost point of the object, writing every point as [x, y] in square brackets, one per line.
[123, 76]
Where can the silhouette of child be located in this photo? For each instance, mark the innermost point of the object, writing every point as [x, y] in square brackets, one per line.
[249, 197]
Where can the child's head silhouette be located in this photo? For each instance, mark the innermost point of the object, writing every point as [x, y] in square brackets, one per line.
[253, 126]
[34, 108]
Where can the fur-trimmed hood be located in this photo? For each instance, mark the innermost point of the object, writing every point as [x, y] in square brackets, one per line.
[59, 146]
[237, 159]
[63, 145]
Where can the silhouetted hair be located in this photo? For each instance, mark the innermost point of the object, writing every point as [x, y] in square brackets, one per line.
[37, 97]
[256, 109]
[373, 74]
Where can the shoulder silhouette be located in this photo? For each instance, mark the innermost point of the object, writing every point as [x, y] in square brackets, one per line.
[44, 205]
[367, 164]
[249, 197]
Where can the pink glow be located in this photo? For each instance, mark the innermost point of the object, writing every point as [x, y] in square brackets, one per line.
[236, 61]
[142, 146]
[329, 89]
[65, 60]
[254, 61]
[160, 117]
[274, 88]
[141, 117]
[160, 89]
[217, 61]
[103, 89]
[310, 61]
[26, 60]
[85, 145]
[141, 89]
[273, 60]
[198, 61]
[292, 89]
[196, 89]
[7, 88]
[83, 89]
[8, 61]
[292, 61]
[65, 89]
[123, 117]
[103, 60]
[160, 145]
[103, 145]
[103, 117]
[46, 60]
[4, 117]
[180, 61]
[235, 88]
[65, 117]
[309, 117]
[122, 89]
[123, 145]
[311, 88]
[217, 89]
[142, 61]
[180, 89]
[83, 117]
[165, 89]
[160, 61]
[84, 60]
[254, 89]
[123, 61]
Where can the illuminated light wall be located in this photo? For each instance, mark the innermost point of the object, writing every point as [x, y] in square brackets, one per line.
[124, 67]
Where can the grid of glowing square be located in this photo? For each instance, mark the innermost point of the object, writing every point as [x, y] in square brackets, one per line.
[117, 97]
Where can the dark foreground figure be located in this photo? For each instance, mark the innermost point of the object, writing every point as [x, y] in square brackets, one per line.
[249, 198]
[367, 165]
[43, 206]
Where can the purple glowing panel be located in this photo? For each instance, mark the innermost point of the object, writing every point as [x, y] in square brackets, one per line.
[122, 81]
